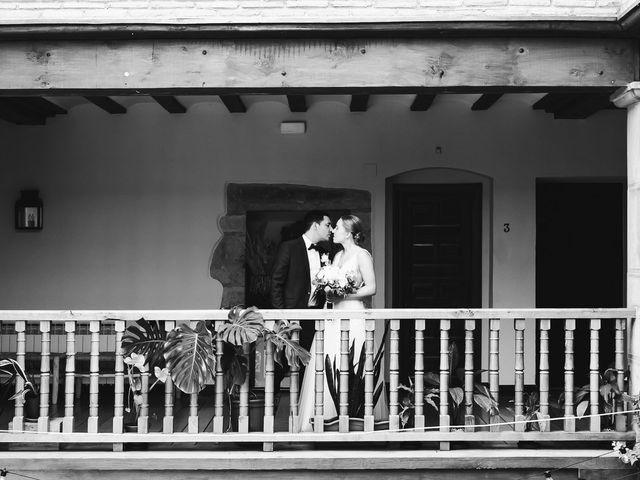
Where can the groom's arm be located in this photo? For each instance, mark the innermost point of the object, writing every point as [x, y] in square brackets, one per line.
[279, 276]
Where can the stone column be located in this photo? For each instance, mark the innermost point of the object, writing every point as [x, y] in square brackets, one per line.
[629, 97]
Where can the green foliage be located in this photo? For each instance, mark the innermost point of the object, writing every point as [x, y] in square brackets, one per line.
[607, 389]
[531, 410]
[356, 378]
[147, 339]
[14, 370]
[190, 357]
[190, 353]
[243, 326]
[481, 395]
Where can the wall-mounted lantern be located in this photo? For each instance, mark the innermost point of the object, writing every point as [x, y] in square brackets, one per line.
[29, 211]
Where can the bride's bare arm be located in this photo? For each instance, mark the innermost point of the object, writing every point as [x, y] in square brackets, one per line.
[365, 264]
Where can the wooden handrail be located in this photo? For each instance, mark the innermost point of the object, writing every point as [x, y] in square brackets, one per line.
[314, 314]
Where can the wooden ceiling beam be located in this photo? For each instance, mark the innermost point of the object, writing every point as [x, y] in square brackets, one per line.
[297, 103]
[107, 104]
[486, 101]
[169, 103]
[237, 65]
[422, 102]
[359, 103]
[233, 103]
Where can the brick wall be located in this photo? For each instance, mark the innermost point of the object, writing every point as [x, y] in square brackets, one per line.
[303, 11]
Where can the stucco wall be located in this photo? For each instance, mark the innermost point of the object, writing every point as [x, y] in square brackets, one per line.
[132, 201]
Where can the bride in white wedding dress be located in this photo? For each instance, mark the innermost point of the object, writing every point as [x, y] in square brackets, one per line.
[355, 259]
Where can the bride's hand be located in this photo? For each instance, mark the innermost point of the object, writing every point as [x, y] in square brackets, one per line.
[334, 297]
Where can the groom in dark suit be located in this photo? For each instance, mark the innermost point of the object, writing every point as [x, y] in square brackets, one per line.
[296, 264]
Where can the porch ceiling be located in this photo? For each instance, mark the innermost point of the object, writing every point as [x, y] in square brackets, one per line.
[35, 110]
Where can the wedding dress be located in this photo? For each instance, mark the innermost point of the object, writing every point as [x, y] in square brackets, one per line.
[306, 405]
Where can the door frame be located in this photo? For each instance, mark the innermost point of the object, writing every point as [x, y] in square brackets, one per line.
[438, 175]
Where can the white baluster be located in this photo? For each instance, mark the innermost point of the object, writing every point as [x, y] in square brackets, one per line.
[318, 419]
[94, 376]
[545, 326]
[18, 418]
[369, 387]
[69, 381]
[343, 419]
[469, 417]
[418, 381]
[594, 374]
[45, 342]
[394, 374]
[167, 420]
[118, 387]
[570, 420]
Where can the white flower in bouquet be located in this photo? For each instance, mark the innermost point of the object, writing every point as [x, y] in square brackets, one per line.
[332, 278]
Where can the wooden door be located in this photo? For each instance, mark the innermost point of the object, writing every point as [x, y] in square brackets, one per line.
[579, 263]
[437, 258]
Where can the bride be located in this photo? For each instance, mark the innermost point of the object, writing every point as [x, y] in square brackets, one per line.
[358, 261]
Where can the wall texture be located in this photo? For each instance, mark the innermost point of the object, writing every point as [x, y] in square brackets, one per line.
[303, 11]
[132, 201]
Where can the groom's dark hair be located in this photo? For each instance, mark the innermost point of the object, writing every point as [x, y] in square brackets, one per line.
[314, 216]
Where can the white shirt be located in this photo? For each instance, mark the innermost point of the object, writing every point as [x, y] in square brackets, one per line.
[314, 264]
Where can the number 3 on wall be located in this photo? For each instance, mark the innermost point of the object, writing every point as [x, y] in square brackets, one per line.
[507, 227]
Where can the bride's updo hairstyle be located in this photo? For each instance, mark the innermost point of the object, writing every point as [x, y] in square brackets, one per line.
[353, 225]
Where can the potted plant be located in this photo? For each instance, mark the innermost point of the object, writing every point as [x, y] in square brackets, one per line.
[608, 391]
[481, 395]
[189, 354]
[136, 366]
[356, 387]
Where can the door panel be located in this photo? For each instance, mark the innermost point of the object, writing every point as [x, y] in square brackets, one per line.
[579, 263]
[437, 259]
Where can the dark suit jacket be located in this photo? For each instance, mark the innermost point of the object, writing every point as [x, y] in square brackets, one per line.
[290, 285]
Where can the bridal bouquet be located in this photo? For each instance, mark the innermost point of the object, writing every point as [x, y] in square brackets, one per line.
[332, 278]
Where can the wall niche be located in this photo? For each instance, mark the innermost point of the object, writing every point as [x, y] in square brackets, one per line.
[258, 218]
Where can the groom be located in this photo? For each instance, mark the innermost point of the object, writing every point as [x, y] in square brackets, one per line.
[296, 264]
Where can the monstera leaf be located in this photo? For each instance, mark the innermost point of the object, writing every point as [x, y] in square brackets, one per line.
[280, 336]
[190, 356]
[146, 339]
[13, 369]
[243, 326]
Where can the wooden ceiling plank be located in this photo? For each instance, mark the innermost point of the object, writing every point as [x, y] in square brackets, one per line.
[233, 103]
[297, 103]
[359, 103]
[10, 111]
[486, 101]
[169, 103]
[422, 102]
[107, 104]
[525, 64]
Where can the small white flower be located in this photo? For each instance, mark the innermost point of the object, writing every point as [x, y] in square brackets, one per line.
[161, 375]
[324, 259]
[136, 360]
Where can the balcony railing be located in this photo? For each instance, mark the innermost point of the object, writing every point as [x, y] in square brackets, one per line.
[74, 337]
